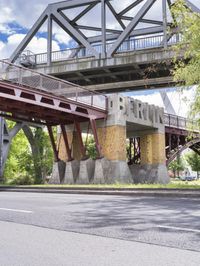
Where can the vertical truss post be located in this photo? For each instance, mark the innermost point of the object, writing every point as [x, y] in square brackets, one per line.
[49, 40]
[94, 130]
[164, 11]
[137, 153]
[66, 143]
[135, 150]
[103, 26]
[55, 151]
[170, 142]
[130, 151]
[78, 130]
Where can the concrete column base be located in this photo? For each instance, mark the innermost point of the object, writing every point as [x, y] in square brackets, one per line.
[58, 173]
[71, 172]
[86, 171]
[150, 174]
[119, 172]
[101, 171]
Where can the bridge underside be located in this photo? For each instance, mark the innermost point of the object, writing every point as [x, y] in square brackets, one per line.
[126, 71]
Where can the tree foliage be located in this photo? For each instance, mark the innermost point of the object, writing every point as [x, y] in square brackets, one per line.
[30, 158]
[176, 166]
[193, 159]
[187, 71]
[90, 147]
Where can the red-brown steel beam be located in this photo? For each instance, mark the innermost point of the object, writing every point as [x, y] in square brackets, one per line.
[68, 150]
[56, 157]
[80, 139]
[94, 130]
[46, 100]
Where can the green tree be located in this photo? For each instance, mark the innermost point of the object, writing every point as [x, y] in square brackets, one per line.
[30, 158]
[187, 71]
[90, 147]
[193, 159]
[42, 154]
[176, 166]
[18, 162]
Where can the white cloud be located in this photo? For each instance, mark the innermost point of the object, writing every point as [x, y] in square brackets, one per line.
[25, 13]
[37, 45]
[6, 14]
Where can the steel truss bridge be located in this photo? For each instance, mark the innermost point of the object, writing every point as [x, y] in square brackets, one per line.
[35, 98]
[116, 47]
[133, 52]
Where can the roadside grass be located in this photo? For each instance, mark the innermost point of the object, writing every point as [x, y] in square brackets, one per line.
[174, 184]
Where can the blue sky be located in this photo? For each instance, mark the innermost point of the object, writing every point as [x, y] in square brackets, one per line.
[17, 17]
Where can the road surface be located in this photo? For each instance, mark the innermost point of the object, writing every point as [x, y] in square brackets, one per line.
[60, 229]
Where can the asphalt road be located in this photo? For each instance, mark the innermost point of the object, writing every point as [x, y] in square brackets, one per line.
[59, 229]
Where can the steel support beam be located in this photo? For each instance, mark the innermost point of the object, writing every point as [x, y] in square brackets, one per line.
[80, 139]
[72, 4]
[137, 2]
[131, 85]
[103, 26]
[168, 106]
[85, 11]
[67, 27]
[68, 150]
[29, 36]
[193, 7]
[164, 13]
[131, 26]
[117, 17]
[148, 21]
[53, 143]
[134, 33]
[49, 40]
[94, 130]
[6, 138]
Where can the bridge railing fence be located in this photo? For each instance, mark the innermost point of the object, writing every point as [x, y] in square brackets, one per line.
[181, 123]
[131, 44]
[37, 81]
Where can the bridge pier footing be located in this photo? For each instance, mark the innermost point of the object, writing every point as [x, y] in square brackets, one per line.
[127, 118]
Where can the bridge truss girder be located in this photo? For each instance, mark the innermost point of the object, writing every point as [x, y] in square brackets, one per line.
[55, 12]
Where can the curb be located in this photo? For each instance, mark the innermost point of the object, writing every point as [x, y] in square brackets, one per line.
[178, 193]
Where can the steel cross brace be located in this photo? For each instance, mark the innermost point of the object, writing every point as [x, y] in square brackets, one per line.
[6, 138]
[80, 139]
[53, 143]
[66, 142]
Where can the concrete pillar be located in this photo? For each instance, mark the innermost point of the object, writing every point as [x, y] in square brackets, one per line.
[153, 148]
[153, 167]
[113, 142]
[114, 168]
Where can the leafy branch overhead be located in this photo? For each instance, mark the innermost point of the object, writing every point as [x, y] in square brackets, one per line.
[187, 71]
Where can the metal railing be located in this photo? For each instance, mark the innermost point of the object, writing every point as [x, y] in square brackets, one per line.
[37, 81]
[179, 122]
[132, 44]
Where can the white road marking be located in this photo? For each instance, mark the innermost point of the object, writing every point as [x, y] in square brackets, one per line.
[179, 228]
[15, 210]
